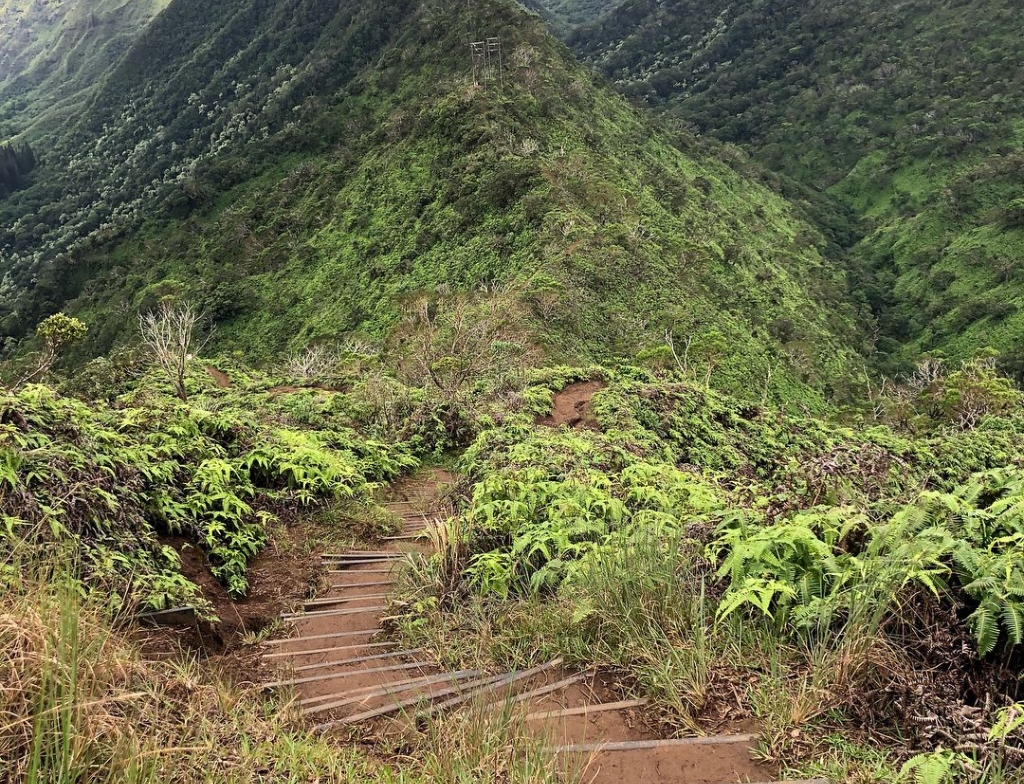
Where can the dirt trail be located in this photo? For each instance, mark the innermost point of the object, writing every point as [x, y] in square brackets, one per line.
[222, 378]
[345, 671]
[572, 406]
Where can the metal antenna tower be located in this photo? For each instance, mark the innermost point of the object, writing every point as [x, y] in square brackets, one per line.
[494, 59]
[478, 54]
[487, 61]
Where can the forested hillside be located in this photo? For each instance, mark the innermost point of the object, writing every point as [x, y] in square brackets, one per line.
[54, 53]
[910, 113]
[310, 167]
[570, 14]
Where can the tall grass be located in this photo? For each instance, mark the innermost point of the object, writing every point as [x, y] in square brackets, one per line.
[79, 703]
[491, 744]
[642, 606]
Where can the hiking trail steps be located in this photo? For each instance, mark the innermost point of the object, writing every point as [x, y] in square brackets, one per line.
[344, 671]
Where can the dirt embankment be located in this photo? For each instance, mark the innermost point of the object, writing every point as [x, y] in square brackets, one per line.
[222, 378]
[572, 406]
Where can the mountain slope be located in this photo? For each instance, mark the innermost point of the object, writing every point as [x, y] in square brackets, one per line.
[299, 171]
[912, 114]
[570, 14]
[53, 52]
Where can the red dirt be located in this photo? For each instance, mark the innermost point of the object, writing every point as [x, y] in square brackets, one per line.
[276, 583]
[572, 406]
[710, 764]
[222, 378]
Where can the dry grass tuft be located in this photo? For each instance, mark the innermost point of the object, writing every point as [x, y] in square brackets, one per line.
[78, 703]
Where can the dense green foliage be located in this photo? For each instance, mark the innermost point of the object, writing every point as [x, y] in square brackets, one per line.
[696, 541]
[392, 174]
[113, 482]
[334, 183]
[16, 162]
[569, 14]
[910, 114]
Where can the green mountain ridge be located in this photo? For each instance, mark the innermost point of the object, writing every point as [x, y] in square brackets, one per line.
[359, 163]
[55, 53]
[909, 114]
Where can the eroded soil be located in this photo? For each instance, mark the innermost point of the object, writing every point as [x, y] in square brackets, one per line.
[572, 406]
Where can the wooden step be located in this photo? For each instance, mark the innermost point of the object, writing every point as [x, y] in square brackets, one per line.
[399, 705]
[710, 760]
[490, 685]
[311, 637]
[355, 673]
[329, 601]
[333, 649]
[633, 745]
[331, 613]
[585, 710]
[348, 564]
[326, 703]
[371, 584]
[350, 660]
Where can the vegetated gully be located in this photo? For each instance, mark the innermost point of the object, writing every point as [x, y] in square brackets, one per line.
[345, 671]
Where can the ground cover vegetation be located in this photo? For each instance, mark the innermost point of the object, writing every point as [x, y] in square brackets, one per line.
[851, 578]
[854, 575]
[908, 115]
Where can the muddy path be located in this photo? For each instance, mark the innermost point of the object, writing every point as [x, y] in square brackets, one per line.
[346, 671]
[221, 378]
[571, 406]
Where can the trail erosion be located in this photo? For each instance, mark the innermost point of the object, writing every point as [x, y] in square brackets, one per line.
[346, 671]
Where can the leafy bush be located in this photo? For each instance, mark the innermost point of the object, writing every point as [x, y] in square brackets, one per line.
[114, 480]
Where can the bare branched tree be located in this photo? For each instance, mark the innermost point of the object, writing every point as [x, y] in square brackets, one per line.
[313, 362]
[169, 332]
[452, 341]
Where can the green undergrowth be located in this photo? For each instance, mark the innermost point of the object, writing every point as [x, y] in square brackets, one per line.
[737, 560]
[113, 481]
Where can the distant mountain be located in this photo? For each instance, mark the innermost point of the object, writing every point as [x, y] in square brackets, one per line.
[54, 52]
[570, 14]
[298, 169]
[911, 113]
